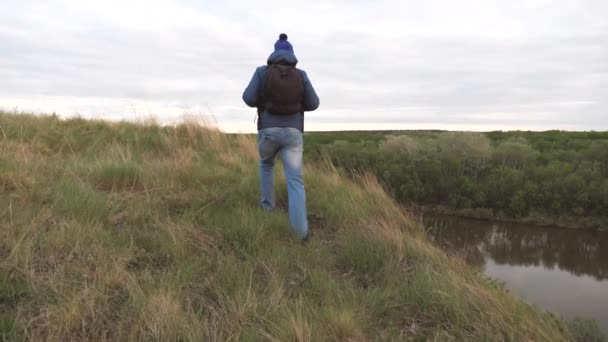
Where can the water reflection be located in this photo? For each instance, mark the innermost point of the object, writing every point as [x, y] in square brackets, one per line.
[576, 251]
[564, 271]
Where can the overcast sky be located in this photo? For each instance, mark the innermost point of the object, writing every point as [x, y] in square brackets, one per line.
[461, 65]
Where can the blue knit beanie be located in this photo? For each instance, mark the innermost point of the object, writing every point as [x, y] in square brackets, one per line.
[283, 44]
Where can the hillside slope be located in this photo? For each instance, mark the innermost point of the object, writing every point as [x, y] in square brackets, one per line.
[123, 231]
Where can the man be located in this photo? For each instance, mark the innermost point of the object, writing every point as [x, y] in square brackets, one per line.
[282, 93]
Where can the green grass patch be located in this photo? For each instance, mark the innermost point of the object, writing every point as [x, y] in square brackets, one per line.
[150, 249]
[75, 199]
[362, 256]
[8, 327]
[117, 176]
[13, 291]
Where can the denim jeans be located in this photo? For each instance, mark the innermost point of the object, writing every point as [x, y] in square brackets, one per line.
[288, 143]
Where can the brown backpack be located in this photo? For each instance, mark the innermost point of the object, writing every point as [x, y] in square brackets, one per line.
[283, 91]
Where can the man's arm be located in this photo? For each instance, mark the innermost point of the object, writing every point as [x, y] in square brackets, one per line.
[252, 92]
[311, 100]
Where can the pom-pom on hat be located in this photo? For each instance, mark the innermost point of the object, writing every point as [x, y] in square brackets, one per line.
[283, 44]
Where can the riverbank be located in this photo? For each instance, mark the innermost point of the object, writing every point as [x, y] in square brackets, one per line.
[567, 222]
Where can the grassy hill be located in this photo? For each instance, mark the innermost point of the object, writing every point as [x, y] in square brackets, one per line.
[130, 232]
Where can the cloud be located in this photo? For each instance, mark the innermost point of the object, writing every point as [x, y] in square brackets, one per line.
[490, 64]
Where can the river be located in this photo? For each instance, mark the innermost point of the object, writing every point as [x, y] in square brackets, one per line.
[562, 270]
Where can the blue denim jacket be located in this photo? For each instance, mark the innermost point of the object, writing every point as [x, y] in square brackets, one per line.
[252, 93]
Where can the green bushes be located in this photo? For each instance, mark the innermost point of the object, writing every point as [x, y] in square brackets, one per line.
[515, 175]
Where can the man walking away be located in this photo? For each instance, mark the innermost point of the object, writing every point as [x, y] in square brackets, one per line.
[282, 93]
